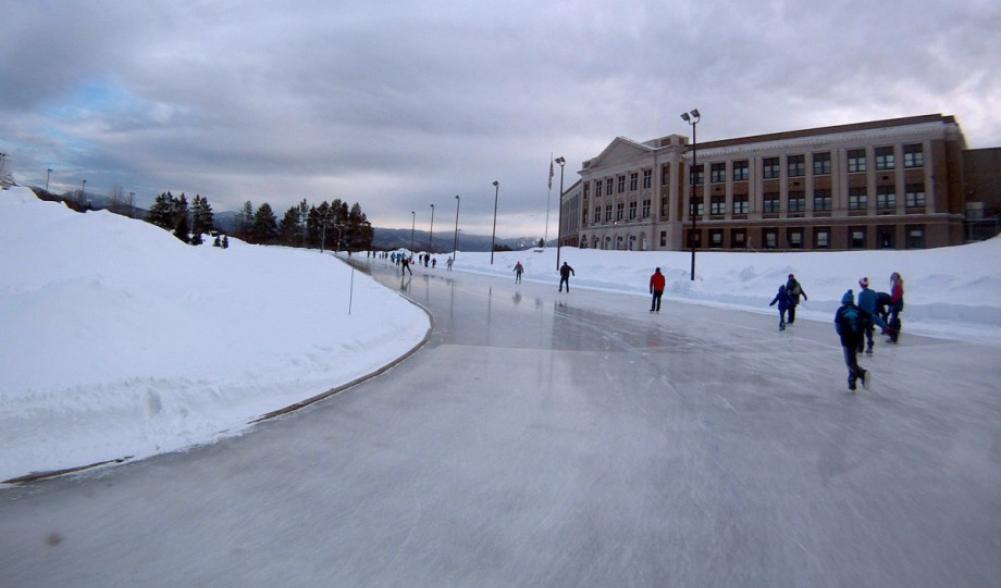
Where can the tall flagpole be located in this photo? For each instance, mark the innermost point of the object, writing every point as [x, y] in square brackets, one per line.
[549, 195]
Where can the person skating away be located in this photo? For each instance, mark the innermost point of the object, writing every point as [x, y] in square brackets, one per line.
[847, 324]
[405, 266]
[565, 272]
[657, 283]
[434, 263]
[520, 269]
[869, 316]
[896, 306]
[448, 263]
[795, 291]
[782, 299]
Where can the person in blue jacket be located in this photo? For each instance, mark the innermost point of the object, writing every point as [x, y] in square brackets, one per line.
[868, 304]
[848, 324]
[782, 298]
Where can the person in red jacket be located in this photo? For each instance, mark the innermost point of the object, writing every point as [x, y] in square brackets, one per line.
[657, 283]
[896, 305]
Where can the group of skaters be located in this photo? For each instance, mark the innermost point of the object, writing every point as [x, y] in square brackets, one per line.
[404, 261]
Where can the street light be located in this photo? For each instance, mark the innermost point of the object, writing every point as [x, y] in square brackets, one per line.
[455, 240]
[693, 118]
[413, 224]
[83, 193]
[431, 231]
[493, 236]
[48, 174]
[559, 219]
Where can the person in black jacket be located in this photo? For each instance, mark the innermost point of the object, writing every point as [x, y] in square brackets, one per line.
[565, 272]
[848, 324]
[795, 291]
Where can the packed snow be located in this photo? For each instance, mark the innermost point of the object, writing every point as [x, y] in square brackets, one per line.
[948, 292]
[120, 340]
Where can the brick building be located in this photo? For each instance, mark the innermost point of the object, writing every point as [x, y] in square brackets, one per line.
[894, 183]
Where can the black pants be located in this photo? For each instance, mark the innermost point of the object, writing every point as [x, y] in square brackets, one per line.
[566, 281]
[851, 362]
[792, 313]
[655, 303]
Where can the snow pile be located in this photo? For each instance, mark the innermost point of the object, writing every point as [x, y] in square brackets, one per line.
[120, 340]
[950, 291]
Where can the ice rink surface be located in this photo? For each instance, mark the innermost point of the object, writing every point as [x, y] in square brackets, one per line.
[546, 439]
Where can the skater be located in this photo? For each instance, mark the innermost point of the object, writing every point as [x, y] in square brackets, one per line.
[782, 298]
[869, 316]
[405, 266]
[896, 306]
[846, 323]
[795, 291]
[434, 263]
[520, 269]
[565, 272]
[657, 283]
[427, 258]
[448, 263]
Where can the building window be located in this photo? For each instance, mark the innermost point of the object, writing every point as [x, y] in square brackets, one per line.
[608, 213]
[738, 238]
[856, 237]
[771, 203]
[664, 206]
[717, 206]
[822, 237]
[696, 207]
[665, 174]
[771, 238]
[620, 210]
[634, 181]
[822, 164]
[795, 237]
[597, 214]
[857, 199]
[740, 205]
[741, 171]
[915, 236]
[646, 209]
[885, 158]
[694, 238]
[770, 168]
[716, 238]
[663, 238]
[856, 161]
[597, 188]
[822, 200]
[609, 184]
[914, 155]
[885, 237]
[717, 173]
[586, 190]
[914, 196]
[647, 178]
[886, 199]
[583, 242]
[698, 173]
[796, 165]
[797, 201]
[622, 183]
[632, 210]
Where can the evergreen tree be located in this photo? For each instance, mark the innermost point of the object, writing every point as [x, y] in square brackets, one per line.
[225, 242]
[304, 223]
[313, 226]
[196, 239]
[245, 220]
[202, 220]
[217, 242]
[161, 213]
[182, 229]
[265, 228]
[290, 226]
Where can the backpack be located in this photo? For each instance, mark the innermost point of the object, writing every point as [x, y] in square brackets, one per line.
[851, 320]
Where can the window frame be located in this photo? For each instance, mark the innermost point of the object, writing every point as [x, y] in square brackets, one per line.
[857, 161]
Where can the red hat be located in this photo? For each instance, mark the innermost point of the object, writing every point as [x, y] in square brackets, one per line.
[864, 282]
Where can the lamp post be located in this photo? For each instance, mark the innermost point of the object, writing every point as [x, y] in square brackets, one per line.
[413, 224]
[83, 193]
[493, 235]
[455, 239]
[431, 231]
[48, 174]
[559, 216]
[693, 118]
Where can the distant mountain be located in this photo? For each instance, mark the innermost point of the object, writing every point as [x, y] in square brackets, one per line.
[396, 238]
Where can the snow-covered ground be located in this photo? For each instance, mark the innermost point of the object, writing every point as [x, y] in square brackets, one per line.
[949, 292]
[119, 340]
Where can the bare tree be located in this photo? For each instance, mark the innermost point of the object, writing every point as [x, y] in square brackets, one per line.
[117, 196]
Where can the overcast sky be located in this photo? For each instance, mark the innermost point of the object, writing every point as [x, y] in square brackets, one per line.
[398, 105]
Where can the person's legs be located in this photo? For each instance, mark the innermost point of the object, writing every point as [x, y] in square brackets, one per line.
[782, 319]
[868, 338]
[658, 295]
[792, 314]
[852, 364]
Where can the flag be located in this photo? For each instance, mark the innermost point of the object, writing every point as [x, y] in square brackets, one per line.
[550, 173]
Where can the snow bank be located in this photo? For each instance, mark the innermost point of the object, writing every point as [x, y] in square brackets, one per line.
[949, 291]
[119, 340]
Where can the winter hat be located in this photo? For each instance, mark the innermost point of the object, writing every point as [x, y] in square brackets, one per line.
[864, 282]
[848, 298]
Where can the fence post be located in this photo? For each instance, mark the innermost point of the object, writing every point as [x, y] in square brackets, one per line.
[351, 292]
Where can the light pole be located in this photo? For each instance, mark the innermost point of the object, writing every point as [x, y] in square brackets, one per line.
[455, 240]
[693, 118]
[413, 224]
[83, 193]
[559, 217]
[48, 174]
[132, 204]
[493, 236]
[431, 231]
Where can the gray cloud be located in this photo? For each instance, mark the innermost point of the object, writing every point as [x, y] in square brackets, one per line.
[397, 106]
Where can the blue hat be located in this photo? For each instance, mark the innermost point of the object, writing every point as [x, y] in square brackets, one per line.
[848, 298]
